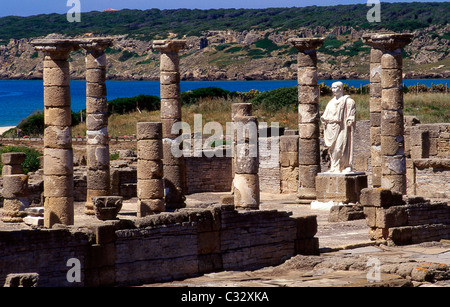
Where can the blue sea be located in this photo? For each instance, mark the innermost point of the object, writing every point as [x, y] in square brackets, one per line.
[19, 98]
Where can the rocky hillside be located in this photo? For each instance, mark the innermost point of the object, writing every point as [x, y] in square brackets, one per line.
[254, 54]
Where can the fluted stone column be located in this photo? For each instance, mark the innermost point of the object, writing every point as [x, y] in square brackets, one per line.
[375, 112]
[246, 163]
[174, 167]
[308, 119]
[15, 188]
[393, 161]
[150, 184]
[58, 154]
[98, 163]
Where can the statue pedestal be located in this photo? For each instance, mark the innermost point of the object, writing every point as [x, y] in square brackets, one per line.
[340, 188]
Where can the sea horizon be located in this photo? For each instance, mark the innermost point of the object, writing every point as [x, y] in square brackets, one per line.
[20, 98]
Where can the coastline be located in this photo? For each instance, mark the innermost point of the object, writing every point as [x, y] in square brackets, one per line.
[4, 129]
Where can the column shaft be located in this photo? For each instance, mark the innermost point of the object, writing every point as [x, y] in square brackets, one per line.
[174, 168]
[308, 116]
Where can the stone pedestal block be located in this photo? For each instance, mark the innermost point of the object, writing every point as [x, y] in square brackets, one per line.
[345, 188]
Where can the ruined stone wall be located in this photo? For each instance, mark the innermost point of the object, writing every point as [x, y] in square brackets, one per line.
[402, 221]
[160, 247]
[204, 174]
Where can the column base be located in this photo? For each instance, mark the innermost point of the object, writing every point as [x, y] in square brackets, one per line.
[306, 195]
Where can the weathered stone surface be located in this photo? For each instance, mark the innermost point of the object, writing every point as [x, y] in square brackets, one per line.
[150, 189]
[61, 116]
[57, 96]
[13, 158]
[58, 210]
[149, 169]
[15, 186]
[58, 186]
[58, 137]
[150, 206]
[58, 161]
[107, 207]
[380, 197]
[150, 149]
[246, 191]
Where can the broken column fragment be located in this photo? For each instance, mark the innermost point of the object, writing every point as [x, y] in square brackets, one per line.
[15, 188]
[150, 183]
[246, 163]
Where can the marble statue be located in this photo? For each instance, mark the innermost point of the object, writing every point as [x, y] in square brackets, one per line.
[339, 120]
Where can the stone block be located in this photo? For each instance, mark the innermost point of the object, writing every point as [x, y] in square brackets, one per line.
[150, 149]
[150, 189]
[170, 91]
[95, 89]
[392, 123]
[169, 61]
[98, 179]
[57, 96]
[400, 235]
[57, 116]
[391, 78]
[375, 119]
[375, 104]
[149, 130]
[96, 105]
[309, 131]
[380, 197]
[307, 59]
[308, 94]
[15, 186]
[246, 191]
[57, 76]
[393, 165]
[345, 188]
[169, 77]
[58, 137]
[307, 175]
[346, 213]
[58, 186]
[168, 129]
[12, 170]
[149, 169]
[171, 108]
[392, 99]
[97, 75]
[375, 72]
[13, 158]
[375, 90]
[241, 109]
[289, 143]
[392, 145]
[308, 246]
[95, 60]
[307, 75]
[396, 183]
[149, 207]
[96, 121]
[289, 159]
[391, 217]
[306, 226]
[58, 161]
[98, 157]
[392, 60]
[375, 55]
[308, 113]
[375, 136]
[371, 216]
[58, 210]
[309, 152]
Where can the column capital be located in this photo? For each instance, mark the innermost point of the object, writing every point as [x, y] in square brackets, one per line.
[388, 41]
[306, 43]
[166, 46]
[55, 45]
[96, 43]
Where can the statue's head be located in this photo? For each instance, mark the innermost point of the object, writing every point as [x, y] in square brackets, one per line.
[337, 88]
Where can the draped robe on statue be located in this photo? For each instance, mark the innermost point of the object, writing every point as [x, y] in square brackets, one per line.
[340, 122]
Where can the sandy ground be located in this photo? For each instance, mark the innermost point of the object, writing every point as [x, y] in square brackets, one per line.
[4, 129]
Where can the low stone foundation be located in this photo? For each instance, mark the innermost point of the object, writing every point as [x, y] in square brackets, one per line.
[158, 248]
[402, 221]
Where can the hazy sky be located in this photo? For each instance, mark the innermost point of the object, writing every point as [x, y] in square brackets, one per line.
[34, 7]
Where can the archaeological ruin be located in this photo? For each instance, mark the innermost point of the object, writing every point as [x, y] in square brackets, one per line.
[136, 225]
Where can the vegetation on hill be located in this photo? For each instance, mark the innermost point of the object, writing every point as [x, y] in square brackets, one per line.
[155, 23]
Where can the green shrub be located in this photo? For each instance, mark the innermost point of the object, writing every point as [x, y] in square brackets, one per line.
[126, 55]
[130, 104]
[277, 99]
[191, 97]
[31, 163]
[33, 125]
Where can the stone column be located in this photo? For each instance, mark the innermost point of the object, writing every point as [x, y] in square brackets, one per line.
[15, 188]
[58, 154]
[308, 116]
[246, 163]
[174, 168]
[150, 184]
[98, 172]
[375, 112]
[393, 162]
